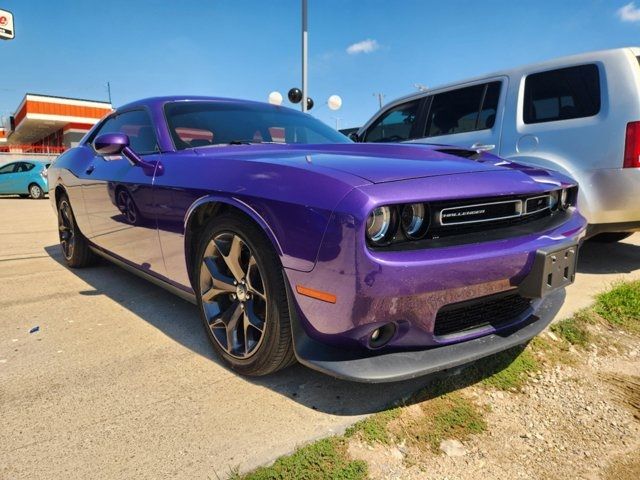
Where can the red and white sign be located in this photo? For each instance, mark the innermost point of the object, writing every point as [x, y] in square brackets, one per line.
[7, 31]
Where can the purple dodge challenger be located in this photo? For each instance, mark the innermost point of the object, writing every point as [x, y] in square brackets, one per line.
[369, 262]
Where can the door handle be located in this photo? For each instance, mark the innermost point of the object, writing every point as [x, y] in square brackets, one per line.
[90, 169]
[481, 147]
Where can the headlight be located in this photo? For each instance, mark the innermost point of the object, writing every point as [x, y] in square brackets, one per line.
[379, 225]
[564, 199]
[412, 219]
[553, 202]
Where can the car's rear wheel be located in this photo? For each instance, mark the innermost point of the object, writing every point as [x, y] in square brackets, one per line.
[241, 293]
[75, 247]
[35, 191]
[611, 237]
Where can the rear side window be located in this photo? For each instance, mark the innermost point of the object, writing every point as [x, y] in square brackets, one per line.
[464, 110]
[562, 94]
[25, 167]
[137, 125]
[395, 125]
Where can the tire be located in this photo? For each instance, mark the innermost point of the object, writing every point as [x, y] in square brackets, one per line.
[611, 237]
[247, 323]
[75, 247]
[36, 192]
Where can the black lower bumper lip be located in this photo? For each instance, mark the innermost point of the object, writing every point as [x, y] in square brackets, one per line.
[397, 366]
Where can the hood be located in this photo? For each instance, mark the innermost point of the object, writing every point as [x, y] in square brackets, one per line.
[375, 163]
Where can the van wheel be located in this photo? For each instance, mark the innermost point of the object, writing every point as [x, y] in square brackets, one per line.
[611, 237]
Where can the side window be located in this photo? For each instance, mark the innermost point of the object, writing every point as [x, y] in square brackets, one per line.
[8, 168]
[562, 94]
[137, 125]
[24, 167]
[487, 117]
[395, 125]
[455, 111]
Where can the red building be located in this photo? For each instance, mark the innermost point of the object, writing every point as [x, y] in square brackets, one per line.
[49, 124]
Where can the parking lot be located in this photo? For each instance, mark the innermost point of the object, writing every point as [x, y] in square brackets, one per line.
[120, 381]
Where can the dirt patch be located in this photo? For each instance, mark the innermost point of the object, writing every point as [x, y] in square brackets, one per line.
[565, 421]
[626, 390]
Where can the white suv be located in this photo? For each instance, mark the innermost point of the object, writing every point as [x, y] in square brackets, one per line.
[579, 115]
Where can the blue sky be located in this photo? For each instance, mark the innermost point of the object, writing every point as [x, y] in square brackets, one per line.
[246, 49]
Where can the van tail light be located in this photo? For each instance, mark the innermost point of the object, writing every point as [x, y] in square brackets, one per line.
[632, 146]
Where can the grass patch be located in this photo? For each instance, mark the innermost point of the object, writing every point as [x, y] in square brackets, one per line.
[620, 306]
[327, 458]
[374, 429]
[573, 330]
[550, 353]
[515, 374]
[445, 417]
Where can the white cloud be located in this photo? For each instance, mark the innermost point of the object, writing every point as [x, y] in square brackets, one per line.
[365, 46]
[629, 13]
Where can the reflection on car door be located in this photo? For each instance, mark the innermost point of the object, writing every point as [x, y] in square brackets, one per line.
[467, 117]
[118, 195]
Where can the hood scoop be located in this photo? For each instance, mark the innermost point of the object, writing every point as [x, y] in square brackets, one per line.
[461, 152]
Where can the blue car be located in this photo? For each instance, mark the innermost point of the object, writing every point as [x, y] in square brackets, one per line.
[27, 178]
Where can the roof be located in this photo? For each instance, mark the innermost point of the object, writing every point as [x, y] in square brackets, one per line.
[69, 98]
[159, 101]
[551, 63]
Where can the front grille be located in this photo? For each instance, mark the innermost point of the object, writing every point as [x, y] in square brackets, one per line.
[494, 310]
[481, 215]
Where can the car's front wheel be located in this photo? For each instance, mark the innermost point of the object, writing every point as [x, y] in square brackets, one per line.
[35, 191]
[75, 247]
[241, 293]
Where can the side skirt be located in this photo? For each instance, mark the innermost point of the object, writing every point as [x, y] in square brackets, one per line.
[189, 297]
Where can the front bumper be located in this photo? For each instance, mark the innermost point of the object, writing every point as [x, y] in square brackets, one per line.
[376, 367]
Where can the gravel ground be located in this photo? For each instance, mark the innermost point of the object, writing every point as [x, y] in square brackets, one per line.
[569, 421]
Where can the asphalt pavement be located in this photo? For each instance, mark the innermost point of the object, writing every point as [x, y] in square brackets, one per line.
[120, 381]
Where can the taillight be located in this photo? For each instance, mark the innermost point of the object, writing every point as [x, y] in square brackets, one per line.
[632, 146]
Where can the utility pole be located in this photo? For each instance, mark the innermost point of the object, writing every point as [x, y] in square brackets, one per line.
[304, 55]
[380, 97]
[109, 92]
[337, 119]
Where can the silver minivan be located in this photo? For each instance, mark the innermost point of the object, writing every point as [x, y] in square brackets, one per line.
[579, 115]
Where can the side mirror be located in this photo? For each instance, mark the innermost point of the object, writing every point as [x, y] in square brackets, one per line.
[354, 136]
[116, 144]
[111, 143]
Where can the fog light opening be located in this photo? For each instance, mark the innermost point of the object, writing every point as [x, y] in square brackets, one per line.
[382, 335]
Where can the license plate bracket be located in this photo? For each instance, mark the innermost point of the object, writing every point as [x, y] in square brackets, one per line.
[551, 270]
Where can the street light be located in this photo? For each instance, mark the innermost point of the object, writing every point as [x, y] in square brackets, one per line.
[304, 55]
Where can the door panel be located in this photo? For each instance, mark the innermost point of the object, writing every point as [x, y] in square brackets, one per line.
[118, 195]
[118, 199]
[8, 178]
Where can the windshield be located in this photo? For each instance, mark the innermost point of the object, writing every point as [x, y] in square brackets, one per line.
[199, 124]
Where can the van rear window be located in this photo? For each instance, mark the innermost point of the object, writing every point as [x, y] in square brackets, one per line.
[562, 94]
